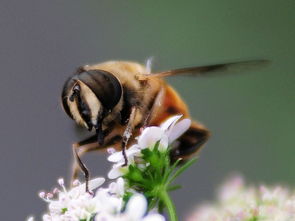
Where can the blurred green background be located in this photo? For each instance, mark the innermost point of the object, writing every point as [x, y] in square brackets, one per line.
[251, 114]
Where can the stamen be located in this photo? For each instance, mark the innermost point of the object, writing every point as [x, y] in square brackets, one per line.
[61, 181]
[49, 195]
[42, 195]
[76, 183]
[56, 190]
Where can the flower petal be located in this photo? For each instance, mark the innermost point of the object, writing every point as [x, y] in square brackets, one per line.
[164, 143]
[93, 184]
[104, 217]
[116, 157]
[117, 187]
[179, 129]
[136, 207]
[117, 171]
[150, 136]
[170, 122]
[154, 217]
[133, 150]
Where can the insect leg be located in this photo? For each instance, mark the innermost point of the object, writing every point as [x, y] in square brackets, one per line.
[83, 168]
[88, 145]
[81, 148]
[127, 133]
[152, 107]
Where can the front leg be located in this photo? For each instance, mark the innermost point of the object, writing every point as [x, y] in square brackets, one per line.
[127, 133]
[88, 145]
[83, 168]
[79, 149]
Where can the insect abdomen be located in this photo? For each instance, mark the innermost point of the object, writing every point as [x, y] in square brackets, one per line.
[171, 105]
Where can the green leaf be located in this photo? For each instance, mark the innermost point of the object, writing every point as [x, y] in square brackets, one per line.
[152, 202]
[134, 174]
[182, 168]
[156, 147]
[154, 157]
[146, 153]
[172, 168]
[172, 188]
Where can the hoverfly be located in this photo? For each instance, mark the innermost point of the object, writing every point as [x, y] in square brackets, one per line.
[118, 98]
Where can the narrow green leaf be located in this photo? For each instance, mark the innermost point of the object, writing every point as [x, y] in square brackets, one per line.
[156, 147]
[172, 188]
[182, 168]
[171, 169]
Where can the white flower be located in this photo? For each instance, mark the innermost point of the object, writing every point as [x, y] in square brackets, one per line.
[117, 188]
[136, 209]
[237, 202]
[74, 204]
[117, 171]
[30, 218]
[117, 157]
[166, 134]
[107, 204]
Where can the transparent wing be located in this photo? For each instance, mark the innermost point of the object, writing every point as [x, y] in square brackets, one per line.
[215, 68]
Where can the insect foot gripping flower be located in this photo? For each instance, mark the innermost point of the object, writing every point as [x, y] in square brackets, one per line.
[237, 202]
[149, 169]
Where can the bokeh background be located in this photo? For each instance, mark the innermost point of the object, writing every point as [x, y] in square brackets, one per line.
[251, 115]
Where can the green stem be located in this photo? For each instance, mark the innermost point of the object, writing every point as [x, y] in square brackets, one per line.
[165, 198]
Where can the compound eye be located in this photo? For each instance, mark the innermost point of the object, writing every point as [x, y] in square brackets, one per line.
[104, 85]
[66, 92]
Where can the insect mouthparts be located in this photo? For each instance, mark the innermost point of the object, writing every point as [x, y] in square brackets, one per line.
[100, 135]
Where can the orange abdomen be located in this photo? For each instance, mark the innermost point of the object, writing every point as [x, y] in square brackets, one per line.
[171, 105]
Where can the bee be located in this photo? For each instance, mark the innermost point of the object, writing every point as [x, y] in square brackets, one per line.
[116, 99]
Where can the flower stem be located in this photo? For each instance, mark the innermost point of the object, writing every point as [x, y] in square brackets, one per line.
[165, 198]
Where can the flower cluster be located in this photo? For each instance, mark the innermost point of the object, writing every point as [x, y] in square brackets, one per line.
[106, 204]
[149, 168]
[141, 187]
[140, 191]
[163, 136]
[237, 202]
